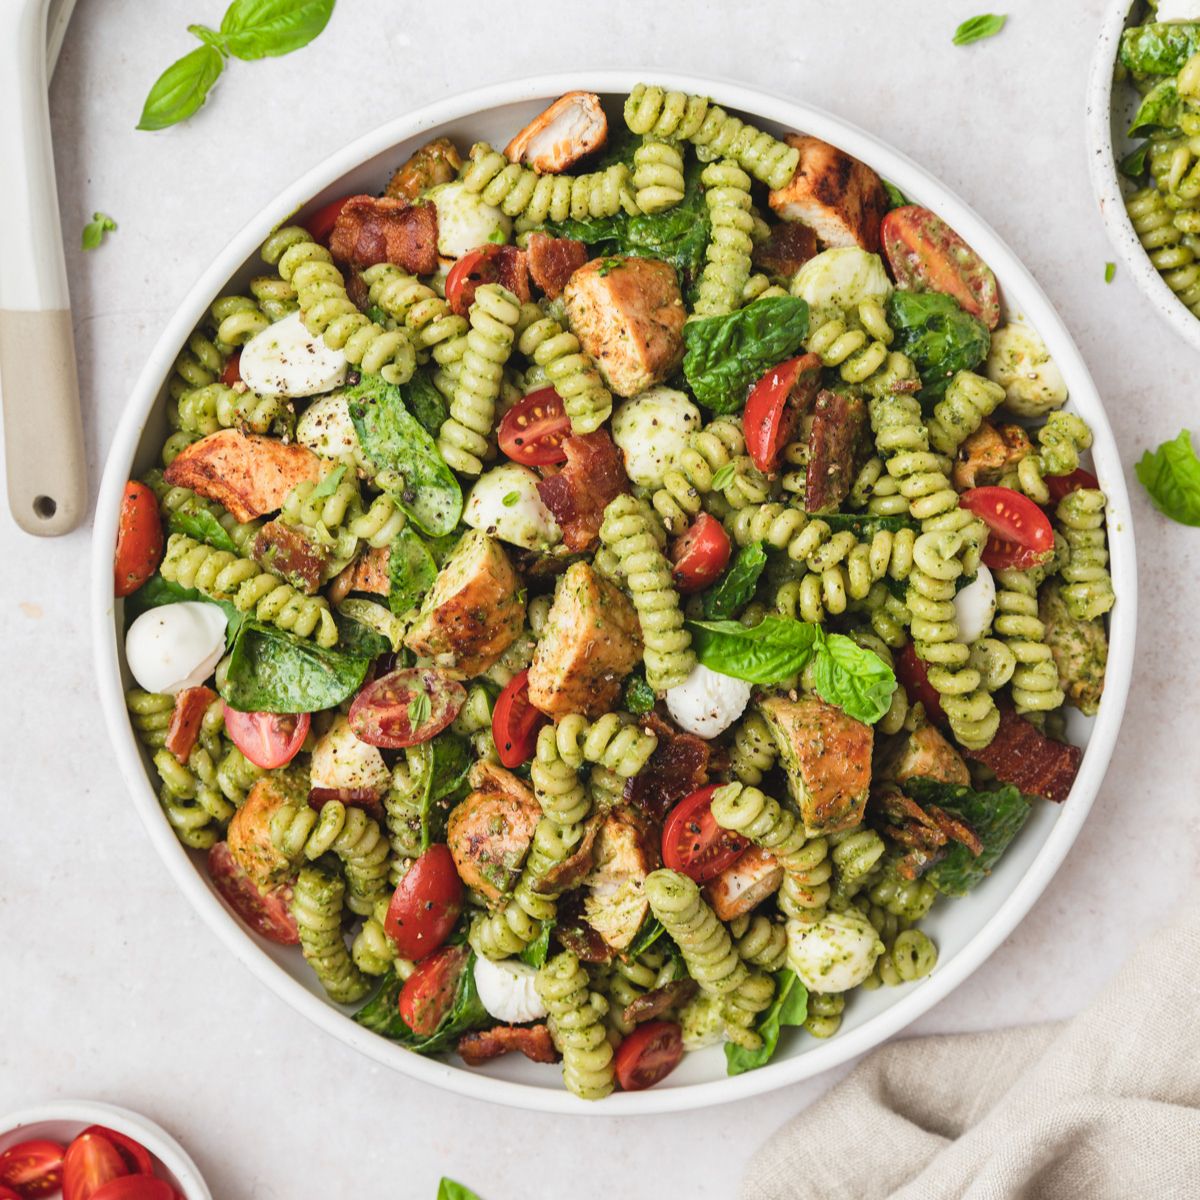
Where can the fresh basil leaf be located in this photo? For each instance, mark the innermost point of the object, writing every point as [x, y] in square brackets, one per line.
[266, 28]
[535, 953]
[735, 589]
[405, 456]
[182, 88]
[790, 1007]
[639, 695]
[775, 649]
[1159, 49]
[1133, 165]
[975, 29]
[646, 936]
[449, 1190]
[724, 477]
[157, 591]
[1159, 109]
[855, 679]
[896, 198]
[425, 402]
[411, 571]
[726, 355]
[197, 522]
[452, 760]
[996, 818]
[329, 484]
[1110, 272]
[419, 708]
[95, 229]
[274, 671]
[1171, 477]
[938, 335]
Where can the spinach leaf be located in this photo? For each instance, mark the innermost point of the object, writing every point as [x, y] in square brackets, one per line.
[425, 402]
[448, 1189]
[274, 671]
[438, 771]
[535, 953]
[639, 695]
[726, 355]
[385, 628]
[1171, 477]
[896, 198]
[735, 589]
[409, 466]
[940, 338]
[157, 591]
[1159, 49]
[357, 637]
[646, 936]
[996, 817]
[411, 571]
[771, 651]
[790, 1007]
[857, 680]
[1159, 109]
[197, 522]
[1133, 165]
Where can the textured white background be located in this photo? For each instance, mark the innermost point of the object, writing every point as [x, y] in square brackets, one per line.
[109, 986]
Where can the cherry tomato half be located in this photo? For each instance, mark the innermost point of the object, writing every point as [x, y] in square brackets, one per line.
[911, 673]
[7, 1193]
[269, 914]
[776, 404]
[428, 992]
[700, 554]
[406, 707]
[648, 1055]
[268, 740]
[233, 370]
[1060, 485]
[89, 1163]
[135, 1187]
[137, 1157]
[1021, 535]
[320, 224]
[693, 842]
[425, 905]
[33, 1168]
[533, 430]
[925, 254]
[474, 268]
[515, 722]
[139, 539]
[190, 706]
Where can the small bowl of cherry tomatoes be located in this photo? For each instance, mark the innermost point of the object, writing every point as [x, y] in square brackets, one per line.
[86, 1150]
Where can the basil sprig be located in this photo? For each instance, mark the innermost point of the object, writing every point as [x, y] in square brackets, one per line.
[1171, 476]
[95, 229]
[975, 29]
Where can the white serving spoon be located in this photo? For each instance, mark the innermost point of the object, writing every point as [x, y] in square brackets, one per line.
[43, 432]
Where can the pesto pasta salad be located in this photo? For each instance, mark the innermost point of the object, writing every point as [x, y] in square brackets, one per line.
[598, 595]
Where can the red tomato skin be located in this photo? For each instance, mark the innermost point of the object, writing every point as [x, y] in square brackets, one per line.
[32, 1168]
[135, 1187]
[475, 267]
[773, 408]
[516, 723]
[425, 905]
[1021, 534]
[190, 706]
[233, 370]
[320, 224]
[139, 539]
[694, 844]
[89, 1163]
[137, 1157]
[648, 1055]
[533, 430]
[269, 914]
[700, 554]
[379, 714]
[925, 254]
[1061, 485]
[911, 673]
[428, 992]
[7, 1193]
[264, 738]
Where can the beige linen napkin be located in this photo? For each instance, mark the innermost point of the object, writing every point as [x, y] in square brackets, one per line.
[1105, 1106]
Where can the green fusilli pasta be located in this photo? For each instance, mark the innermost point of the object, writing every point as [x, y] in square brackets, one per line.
[824, 1017]
[856, 344]
[570, 371]
[760, 941]
[609, 742]
[317, 898]
[764, 821]
[657, 175]
[577, 1027]
[805, 890]
[754, 751]
[1087, 586]
[1035, 685]
[727, 266]
[959, 413]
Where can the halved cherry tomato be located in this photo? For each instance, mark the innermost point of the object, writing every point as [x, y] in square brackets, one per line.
[425, 905]
[911, 672]
[9, 1194]
[700, 554]
[190, 706]
[268, 740]
[391, 713]
[269, 914]
[1060, 485]
[139, 539]
[137, 1157]
[693, 842]
[428, 992]
[474, 268]
[318, 797]
[1021, 535]
[320, 224]
[533, 430]
[515, 722]
[33, 1168]
[648, 1055]
[233, 370]
[776, 404]
[925, 254]
[90, 1162]
[135, 1187]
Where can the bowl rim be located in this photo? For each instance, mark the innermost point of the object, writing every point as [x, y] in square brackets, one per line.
[914, 181]
[1106, 181]
[99, 1112]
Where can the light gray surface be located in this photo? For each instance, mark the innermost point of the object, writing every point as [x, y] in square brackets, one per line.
[112, 987]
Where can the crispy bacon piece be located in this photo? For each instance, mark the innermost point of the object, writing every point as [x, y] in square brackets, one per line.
[288, 553]
[553, 260]
[576, 935]
[654, 1003]
[837, 425]
[436, 162]
[988, 453]
[533, 1041]
[190, 706]
[594, 475]
[788, 248]
[572, 127]
[678, 766]
[1023, 756]
[924, 831]
[372, 230]
[364, 798]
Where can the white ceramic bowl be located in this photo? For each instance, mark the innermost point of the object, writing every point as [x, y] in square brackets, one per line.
[1110, 109]
[966, 930]
[65, 1119]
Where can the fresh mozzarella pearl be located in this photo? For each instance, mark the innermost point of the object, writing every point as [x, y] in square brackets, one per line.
[975, 606]
[1020, 363]
[465, 222]
[652, 431]
[841, 278]
[702, 1022]
[340, 760]
[1177, 10]
[286, 360]
[325, 427]
[507, 990]
[706, 703]
[505, 503]
[175, 646]
[835, 953]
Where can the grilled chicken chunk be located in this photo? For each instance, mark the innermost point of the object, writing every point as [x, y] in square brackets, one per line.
[571, 128]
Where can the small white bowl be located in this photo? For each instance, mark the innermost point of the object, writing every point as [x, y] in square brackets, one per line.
[1110, 109]
[66, 1119]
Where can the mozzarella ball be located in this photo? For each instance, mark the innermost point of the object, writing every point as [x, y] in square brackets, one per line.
[505, 503]
[175, 646]
[326, 429]
[465, 222]
[706, 703]
[652, 431]
[702, 1022]
[1173, 11]
[841, 278]
[1020, 363]
[835, 953]
[340, 760]
[975, 606]
[507, 990]
[286, 360]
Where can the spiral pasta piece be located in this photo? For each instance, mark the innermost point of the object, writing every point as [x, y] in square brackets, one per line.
[959, 413]
[570, 371]
[856, 853]
[754, 751]
[703, 941]
[765, 822]
[760, 941]
[576, 1026]
[380, 524]
[372, 950]
[214, 406]
[276, 297]
[1061, 440]
[183, 502]
[224, 576]
[237, 320]
[907, 899]
[1035, 686]
[620, 747]
[434, 328]
[910, 956]
[727, 265]
[198, 364]
[657, 175]
[858, 348]
[805, 890]
[1154, 224]
[1087, 586]
[824, 1017]
[236, 775]
[317, 898]
[626, 981]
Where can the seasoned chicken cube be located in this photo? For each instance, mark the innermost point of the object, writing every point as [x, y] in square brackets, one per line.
[571, 128]
[473, 612]
[246, 472]
[367, 573]
[626, 851]
[434, 163]
[291, 555]
[988, 453]
[742, 887]
[827, 755]
[925, 754]
[591, 641]
[629, 316]
[839, 198]
[249, 834]
[1080, 650]
[489, 833]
